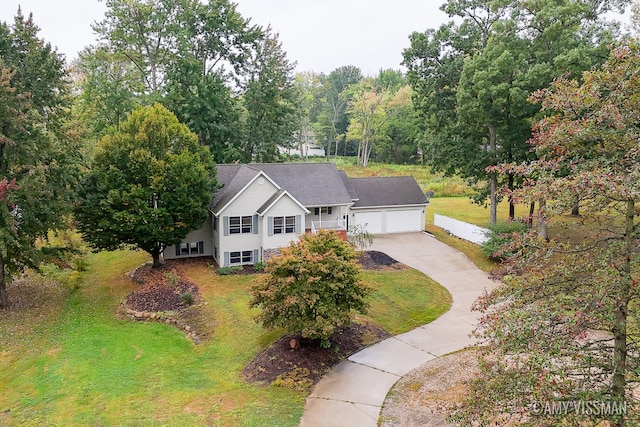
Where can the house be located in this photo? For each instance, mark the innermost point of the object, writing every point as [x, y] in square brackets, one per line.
[263, 207]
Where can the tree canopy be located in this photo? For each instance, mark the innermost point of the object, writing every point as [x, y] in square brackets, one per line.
[311, 287]
[564, 325]
[471, 78]
[149, 185]
[38, 157]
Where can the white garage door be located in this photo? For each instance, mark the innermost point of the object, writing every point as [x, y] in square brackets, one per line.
[404, 221]
[373, 221]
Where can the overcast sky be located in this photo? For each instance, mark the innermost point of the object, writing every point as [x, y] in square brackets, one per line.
[319, 35]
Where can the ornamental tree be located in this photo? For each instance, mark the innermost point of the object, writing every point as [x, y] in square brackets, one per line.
[311, 287]
[564, 325]
[149, 185]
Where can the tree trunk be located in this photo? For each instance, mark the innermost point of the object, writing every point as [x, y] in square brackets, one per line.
[512, 207]
[532, 209]
[4, 299]
[493, 180]
[155, 254]
[619, 382]
[575, 209]
[543, 221]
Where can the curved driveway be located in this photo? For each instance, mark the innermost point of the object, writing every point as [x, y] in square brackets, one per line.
[353, 392]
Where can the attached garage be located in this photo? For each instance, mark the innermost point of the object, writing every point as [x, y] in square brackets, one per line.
[372, 221]
[402, 221]
[388, 204]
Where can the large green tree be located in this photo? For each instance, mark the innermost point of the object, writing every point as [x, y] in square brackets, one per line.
[332, 120]
[271, 103]
[149, 185]
[109, 88]
[471, 78]
[368, 118]
[564, 324]
[38, 159]
[214, 47]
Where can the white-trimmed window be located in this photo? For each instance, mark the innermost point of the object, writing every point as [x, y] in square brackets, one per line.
[241, 257]
[284, 224]
[240, 225]
[190, 248]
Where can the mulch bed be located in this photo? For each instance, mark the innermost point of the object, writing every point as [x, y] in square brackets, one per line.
[375, 260]
[297, 362]
[302, 364]
[157, 292]
[292, 361]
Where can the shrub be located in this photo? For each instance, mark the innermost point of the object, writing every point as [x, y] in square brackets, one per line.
[297, 379]
[500, 236]
[311, 287]
[187, 298]
[360, 237]
[174, 279]
[225, 271]
[259, 266]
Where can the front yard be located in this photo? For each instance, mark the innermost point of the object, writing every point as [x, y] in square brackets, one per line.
[67, 359]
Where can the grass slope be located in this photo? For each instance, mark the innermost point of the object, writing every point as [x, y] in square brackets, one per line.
[78, 364]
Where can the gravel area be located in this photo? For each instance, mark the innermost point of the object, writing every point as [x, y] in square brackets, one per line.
[427, 394]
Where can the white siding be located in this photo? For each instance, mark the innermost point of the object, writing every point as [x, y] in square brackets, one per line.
[246, 204]
[203, 234]
[284, 207]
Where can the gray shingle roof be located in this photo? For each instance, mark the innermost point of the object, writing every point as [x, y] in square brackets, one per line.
[312, 184]
[347, 183]
[387, 191]
[233, 178]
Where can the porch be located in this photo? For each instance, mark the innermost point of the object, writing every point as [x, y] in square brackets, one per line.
[336, 224]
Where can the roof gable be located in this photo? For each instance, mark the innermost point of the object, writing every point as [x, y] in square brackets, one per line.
[235, 180]
[275, 198]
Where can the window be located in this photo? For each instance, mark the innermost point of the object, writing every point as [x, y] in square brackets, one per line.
[278, 224]
[190, 248]
[284, 224]
[240, 224]
[290, 224]
[246, 224]
[241, 257]
[194, 248]
[323, 211]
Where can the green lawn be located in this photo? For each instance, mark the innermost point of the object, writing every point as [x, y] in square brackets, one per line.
[76, 363]
[464, 209]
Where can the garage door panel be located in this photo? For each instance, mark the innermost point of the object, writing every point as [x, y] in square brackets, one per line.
[404, 221]
[372, 220]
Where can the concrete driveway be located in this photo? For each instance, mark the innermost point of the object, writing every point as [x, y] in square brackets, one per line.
[353, 392]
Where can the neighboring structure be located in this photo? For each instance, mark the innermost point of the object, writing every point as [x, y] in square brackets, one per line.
[263, 207]
[304, 151]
